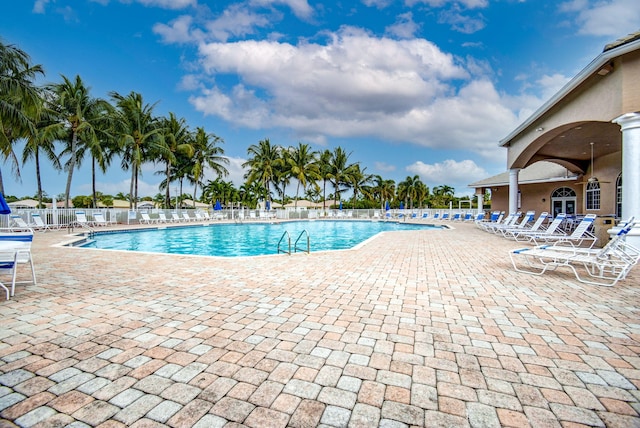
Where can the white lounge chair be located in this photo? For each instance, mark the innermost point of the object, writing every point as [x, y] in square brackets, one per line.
[551, 230]
[578, 237]
[15, 249]
[99, 220]
[604, 266]
[39, 224]
[529, 216]
[162, 217]
[512, 233]
[18, 224]
[146, 219]
[81, 219]
[186, 217]
[507, 221]
[175, 218]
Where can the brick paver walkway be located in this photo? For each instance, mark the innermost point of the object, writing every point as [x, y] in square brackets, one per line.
[420, 329]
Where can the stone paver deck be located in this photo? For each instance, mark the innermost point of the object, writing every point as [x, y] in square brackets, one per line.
[414, 329]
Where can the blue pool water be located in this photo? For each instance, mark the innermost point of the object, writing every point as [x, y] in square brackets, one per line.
[248, 239]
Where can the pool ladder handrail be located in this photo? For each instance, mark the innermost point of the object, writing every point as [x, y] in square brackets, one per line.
[295, 245]
[286, 233]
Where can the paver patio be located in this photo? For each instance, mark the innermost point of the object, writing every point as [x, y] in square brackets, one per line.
[424, 329]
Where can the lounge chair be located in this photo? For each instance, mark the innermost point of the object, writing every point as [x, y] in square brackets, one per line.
[206, 216]
[445, 216]
[425, 216]
[551, 230]
[507, 221]
[528, 217]
[162, 217]
[39, 224]
[187, 218]
[605, 266]
[175, 218]
[18, 224]
[495, 218]
[146, 219]
[99, 220]
[15, 249]
[513, 233]
[81, 219]
[456, 217]
[578, 237]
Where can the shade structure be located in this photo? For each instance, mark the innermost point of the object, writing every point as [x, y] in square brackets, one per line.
[4, 207]
[217, 206]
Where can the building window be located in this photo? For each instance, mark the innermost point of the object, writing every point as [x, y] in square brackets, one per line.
[593, 195]
[619, 196]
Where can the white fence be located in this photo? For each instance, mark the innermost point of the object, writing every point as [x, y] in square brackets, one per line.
[67, 217]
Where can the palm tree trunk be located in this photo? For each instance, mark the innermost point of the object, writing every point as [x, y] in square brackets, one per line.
[93, 182]
[38, 178]
[72, 166]
[167, 194]
[133, 175]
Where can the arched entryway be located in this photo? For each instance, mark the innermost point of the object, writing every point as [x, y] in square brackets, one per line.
[563, 200]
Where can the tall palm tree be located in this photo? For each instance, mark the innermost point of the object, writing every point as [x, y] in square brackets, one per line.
[358, 181]
[263, 160]
[139, 134]
[179, 141]
[282, 172]
[324, 166]
[82, 116]
[341, 172]
[408, 189]
[20, 101]
[206, 153]
[41, 140]
[304, 167]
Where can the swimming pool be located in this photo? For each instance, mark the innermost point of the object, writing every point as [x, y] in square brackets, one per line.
[248, 239]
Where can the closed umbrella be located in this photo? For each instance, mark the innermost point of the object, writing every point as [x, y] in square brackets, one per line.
[386, 206]
[217, 206]
[4, 207]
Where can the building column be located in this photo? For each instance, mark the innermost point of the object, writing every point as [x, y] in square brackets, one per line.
[630, 127]
[480, 202]
[513, 189]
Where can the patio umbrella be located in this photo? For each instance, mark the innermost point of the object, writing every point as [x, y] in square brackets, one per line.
[268, 205]
[217, 206]
[401, 205]
[4, 208]
[340, 204]
[386, 206]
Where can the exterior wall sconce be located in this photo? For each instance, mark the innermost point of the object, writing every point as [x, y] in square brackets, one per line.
[540, 129]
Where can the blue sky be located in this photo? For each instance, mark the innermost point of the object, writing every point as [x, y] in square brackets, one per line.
[426, 87]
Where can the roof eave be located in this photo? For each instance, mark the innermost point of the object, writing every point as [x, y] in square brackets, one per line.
[601, 60]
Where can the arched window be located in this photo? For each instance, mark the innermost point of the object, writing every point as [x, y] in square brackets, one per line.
[619, 196]
[563, 200]
[593, 195]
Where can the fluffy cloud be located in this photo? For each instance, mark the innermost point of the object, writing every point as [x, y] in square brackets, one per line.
[453, 173]
[349, 87]
[611, 18]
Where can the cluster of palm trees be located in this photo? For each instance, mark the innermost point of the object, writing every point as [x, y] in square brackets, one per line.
[67, 125]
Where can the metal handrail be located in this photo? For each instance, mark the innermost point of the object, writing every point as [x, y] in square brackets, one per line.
[286, 233]
[295, 245]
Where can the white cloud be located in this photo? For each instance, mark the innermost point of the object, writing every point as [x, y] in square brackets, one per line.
[380, 4]
[237, 20]
[349, 88]
[404, 27]
[384, 167]
[40, 5]
[168, 4]
[468, 4]
[611, 18]
[457, 174]
[300, 8]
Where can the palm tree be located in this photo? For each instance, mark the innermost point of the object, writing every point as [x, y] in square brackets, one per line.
[304, 167]
[207, 154]
[408, 189]
[443, 194]
[179, 141]
[341, 172]
[324, 166]
[282, 172]
[262, 162]
[83, 118]
[42, 141]
[139, 134]
[20, 101]
[358, 181]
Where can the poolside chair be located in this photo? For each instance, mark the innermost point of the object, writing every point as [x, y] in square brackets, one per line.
[18, 224]
[467, 217]
[445, 216]
[513, 233]
[605, 266]
[425, 216]
[478, 217]
[436, 216]
[187, 218]
[99, 220]
[162, 217]
[522, 225]
[146, 219]
[552, 229]
[39, 224]
[15, 249]
[577, 238]
[81, 220]
[507, 221]
[175, 218]
[456, 217]
[206, 216]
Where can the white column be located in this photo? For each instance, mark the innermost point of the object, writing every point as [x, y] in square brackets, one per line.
[480, 201]
[513, 189]
[630, 127]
